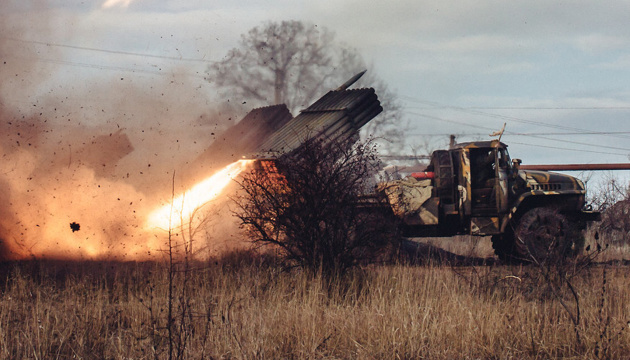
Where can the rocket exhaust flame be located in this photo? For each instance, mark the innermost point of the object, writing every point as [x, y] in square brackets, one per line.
[183, 208]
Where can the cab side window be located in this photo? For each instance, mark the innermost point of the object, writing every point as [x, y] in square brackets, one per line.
[504, 159]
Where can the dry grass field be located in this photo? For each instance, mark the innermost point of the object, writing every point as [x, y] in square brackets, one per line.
[243, 308]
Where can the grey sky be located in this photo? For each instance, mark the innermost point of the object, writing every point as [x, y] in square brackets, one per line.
[459, 67]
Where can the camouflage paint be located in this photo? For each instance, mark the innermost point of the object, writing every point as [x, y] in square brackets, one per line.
[465, 179]
[550, 181]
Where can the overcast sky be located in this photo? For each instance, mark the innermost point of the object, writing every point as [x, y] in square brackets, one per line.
[463, 67]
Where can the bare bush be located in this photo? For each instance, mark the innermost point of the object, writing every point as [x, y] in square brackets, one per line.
[309, 209]
[612, 198]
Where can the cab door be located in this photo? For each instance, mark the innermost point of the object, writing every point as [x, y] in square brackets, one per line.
[483, 171]
[502, 172]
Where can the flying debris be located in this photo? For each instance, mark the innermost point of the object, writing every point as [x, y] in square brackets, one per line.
[245, 137]
[74, 226]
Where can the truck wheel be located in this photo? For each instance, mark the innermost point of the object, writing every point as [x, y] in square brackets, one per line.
[544, 235]
[503, 246]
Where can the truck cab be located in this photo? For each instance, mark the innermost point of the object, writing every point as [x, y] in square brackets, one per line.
[489, 189]
[486, 174]
[473, 182]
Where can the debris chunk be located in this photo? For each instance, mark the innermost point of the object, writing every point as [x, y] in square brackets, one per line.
[75, 226]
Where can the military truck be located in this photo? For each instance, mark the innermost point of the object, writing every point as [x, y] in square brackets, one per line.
[475, 188]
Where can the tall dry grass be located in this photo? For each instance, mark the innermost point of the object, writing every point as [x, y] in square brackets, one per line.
[243, 309]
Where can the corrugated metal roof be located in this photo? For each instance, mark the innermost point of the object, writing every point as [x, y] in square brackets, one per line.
[338, 114]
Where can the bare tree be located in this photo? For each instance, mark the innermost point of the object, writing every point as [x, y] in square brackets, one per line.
[309, 208]
[612, 198]
[608, 191]
[295, 63]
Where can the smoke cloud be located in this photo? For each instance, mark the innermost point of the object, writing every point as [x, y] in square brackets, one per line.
[99, 154]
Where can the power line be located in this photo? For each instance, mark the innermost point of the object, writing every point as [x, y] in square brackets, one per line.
[524, 107]
[504, 117]
[412, 99]
[107, 67]
[568, 149]
[507, 133]
[96, 66]
[451, 121]
[534, 136]
[550, 108]
[530, 134]
[427, 157]
[118, 52]
[576, 142]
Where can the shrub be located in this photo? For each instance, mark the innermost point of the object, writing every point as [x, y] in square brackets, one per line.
[308, 206]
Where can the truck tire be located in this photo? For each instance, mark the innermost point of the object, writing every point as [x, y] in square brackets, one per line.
[503, 246]
[541, 234]
[544, 235]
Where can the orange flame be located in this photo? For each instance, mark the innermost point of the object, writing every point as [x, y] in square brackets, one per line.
[184, 206]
